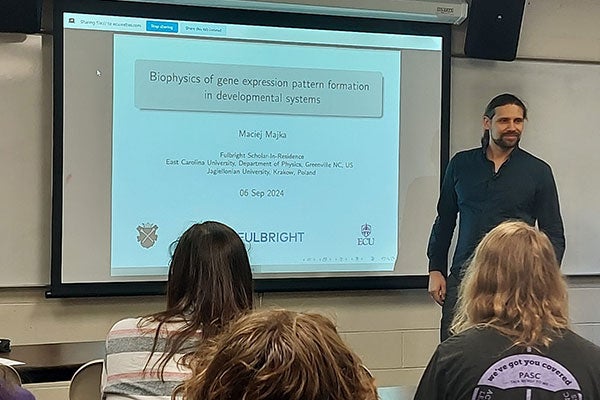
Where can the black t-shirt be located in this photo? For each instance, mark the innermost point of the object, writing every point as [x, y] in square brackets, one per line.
[482, 364]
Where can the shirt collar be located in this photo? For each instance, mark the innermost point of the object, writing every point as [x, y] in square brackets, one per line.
[516, 150]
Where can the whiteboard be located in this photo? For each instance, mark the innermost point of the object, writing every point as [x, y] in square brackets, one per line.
[563, 128]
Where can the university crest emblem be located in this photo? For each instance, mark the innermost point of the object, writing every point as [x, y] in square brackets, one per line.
[147, 235]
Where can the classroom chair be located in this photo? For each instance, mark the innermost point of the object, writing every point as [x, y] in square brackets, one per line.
[85, 384]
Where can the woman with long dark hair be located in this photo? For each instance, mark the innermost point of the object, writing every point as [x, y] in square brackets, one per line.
[209, 285]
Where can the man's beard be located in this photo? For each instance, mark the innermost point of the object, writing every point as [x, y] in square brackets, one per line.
[507, 145]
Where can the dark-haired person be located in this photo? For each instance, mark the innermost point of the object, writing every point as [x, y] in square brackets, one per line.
[485, 186]
[10, 389]
[278, 355]
[512, 338]
[209, 285]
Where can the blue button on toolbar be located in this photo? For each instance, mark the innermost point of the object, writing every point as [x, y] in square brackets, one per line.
[158, 26]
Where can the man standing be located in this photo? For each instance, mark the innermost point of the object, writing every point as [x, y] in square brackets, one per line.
[486, 186]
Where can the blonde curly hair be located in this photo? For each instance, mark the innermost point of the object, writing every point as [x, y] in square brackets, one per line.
[514, 285]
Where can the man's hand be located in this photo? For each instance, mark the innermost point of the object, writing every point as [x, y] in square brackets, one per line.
[437, 287]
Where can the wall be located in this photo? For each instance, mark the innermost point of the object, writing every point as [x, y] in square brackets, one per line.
[553, 30]
[394, 331]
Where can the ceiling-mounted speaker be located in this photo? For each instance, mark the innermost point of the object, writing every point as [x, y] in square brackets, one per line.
[493, 29]
[21, 16]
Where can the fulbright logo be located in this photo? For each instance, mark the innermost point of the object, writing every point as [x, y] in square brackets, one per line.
[272, 237]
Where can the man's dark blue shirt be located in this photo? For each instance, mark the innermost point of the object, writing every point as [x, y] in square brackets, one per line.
[522, 189]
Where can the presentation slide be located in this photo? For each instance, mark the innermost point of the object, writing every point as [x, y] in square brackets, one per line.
[320, 147]
[295, 146]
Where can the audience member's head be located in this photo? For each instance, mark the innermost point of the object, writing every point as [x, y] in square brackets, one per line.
[210, 281]
[209, 285]
[10, 385]
[8, 376]
[278, 355]
[514, 284]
